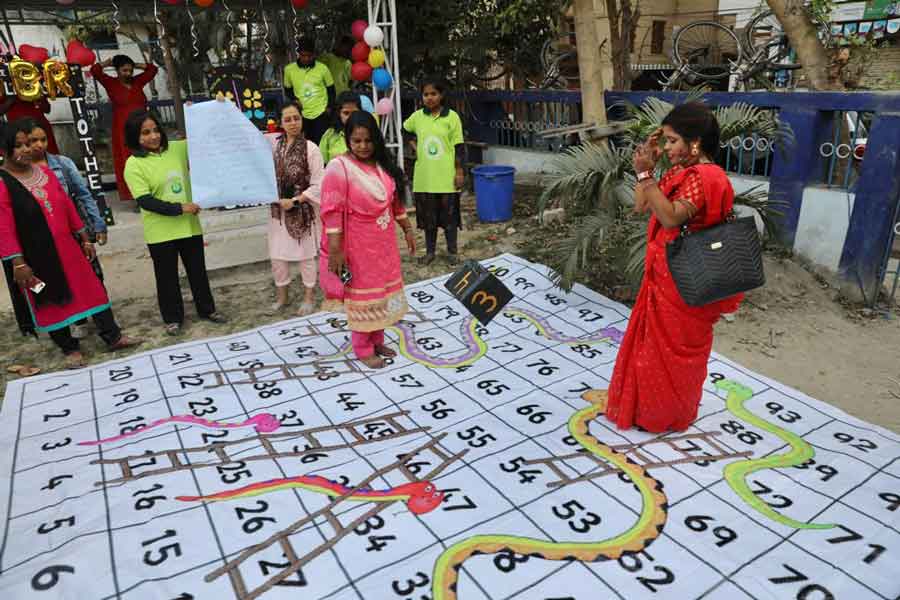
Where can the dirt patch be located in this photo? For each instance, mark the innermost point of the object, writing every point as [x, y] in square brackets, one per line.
[794, 330]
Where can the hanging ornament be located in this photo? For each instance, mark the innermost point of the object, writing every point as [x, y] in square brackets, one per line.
[33, 54]
[77, 53]
[382, 79]
[358, 29]
[376, 58]
[229, 15]
[360, 71]
[195, 41]
[56, 79]
[204, 3]
[115, 18]
[267, 50]
[26, 79]
[360, 52]
[299, 3]
[373, 36]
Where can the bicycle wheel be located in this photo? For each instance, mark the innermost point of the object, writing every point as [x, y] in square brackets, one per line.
[763, 31]
[706, 49]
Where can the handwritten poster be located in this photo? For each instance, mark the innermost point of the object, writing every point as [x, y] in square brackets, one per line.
[231, 161]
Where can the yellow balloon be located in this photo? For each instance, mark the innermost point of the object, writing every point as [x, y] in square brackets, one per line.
[376, 58]
[56, 79]
[26, 79]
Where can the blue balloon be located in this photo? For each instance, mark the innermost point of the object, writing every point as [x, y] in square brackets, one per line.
[367, 103]
[382, 79]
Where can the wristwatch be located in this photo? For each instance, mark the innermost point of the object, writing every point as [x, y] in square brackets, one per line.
[644, 176]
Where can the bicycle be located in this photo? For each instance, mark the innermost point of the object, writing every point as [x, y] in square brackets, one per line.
[709, 51]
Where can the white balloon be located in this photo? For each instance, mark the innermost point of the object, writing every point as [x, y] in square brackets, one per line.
[373, 35]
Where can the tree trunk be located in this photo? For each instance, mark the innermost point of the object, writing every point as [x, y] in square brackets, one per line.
[589, 64]
[623, 19]
[172, 76]
[811, 53]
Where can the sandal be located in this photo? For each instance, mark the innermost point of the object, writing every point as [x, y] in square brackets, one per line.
[276, 308]
[75, 360]
[216, 317]
[373, 362]
[426, 260]
[173, 329]
[23, 370]
[125, 342]
[385, 352]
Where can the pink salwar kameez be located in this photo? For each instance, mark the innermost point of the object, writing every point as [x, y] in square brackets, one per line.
[360, 201]
[88, 295]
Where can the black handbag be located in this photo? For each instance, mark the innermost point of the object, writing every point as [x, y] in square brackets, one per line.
[717, 262]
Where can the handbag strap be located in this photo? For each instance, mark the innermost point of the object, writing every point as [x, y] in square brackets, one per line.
[728, 218]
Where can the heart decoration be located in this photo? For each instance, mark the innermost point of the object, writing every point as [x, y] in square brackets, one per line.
[77, 53]
[33, 54]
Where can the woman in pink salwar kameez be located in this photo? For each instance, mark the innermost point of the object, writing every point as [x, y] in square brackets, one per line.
[38, 226]
[360, 203]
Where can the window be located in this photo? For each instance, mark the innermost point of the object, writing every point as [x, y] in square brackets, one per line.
[657, 37]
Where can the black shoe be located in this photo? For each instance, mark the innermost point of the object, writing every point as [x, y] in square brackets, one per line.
[426, 260]
[453, 259]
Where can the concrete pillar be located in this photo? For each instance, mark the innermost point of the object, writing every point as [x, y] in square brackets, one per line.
[594, 78]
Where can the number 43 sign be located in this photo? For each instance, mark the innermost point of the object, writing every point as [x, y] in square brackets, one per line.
[480, 291]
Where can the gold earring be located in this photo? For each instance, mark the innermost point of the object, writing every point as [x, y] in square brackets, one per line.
[695, 151]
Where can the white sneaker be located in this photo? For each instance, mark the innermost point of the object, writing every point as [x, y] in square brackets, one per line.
[79, 332]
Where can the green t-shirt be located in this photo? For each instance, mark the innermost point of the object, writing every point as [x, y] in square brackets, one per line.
[310, 86]
[165, 177]
[437, 138]
[332, 144]
[340, 71]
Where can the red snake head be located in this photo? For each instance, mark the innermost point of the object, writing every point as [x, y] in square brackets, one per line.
[423, 497]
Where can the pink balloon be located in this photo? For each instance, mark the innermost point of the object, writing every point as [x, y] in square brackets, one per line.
[358, 29]
[384, 107]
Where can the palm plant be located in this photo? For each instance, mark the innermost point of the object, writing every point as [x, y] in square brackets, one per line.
[595, 182]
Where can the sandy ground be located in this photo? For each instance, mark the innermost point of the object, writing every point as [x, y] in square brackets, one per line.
[794, 330]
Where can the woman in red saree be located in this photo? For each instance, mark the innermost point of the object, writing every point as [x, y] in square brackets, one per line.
[658, 378]
[126, 93]
[362, 197]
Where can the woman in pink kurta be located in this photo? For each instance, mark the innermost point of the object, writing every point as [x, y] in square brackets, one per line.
[38, 222]
[294, 223]
[360, 203]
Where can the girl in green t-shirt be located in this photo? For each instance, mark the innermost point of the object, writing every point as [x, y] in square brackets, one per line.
[333, 142]
[438, 177]
[157, 175]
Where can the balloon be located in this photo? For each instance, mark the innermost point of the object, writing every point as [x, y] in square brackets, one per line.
[366, 103]
[382, 79]
[373, 35]
[360, 71]
[376, 58]
[56, 79]
[26, 79]
[78, 54]
[360, 52]
[66, 2]
[358, 29]
[299, 3]
[173, 2]
[204, 3]
[33, 54]
[384, 107]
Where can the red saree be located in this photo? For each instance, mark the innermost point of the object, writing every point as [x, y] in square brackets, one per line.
[658, 379]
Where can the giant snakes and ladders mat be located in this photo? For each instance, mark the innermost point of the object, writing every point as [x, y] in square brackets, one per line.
[478, 466]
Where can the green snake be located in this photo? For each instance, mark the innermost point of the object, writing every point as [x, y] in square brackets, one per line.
[736, 473]
[641, 534]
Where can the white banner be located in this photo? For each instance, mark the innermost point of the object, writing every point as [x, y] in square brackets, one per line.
[231, 161]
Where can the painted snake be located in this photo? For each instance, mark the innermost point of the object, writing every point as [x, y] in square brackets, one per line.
[263, 423]
[476, 347]
[736, 473]
[421, 497]
[641, 534]
[654, 510]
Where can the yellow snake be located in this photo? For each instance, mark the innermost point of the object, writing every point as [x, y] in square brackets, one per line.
[641, 534]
